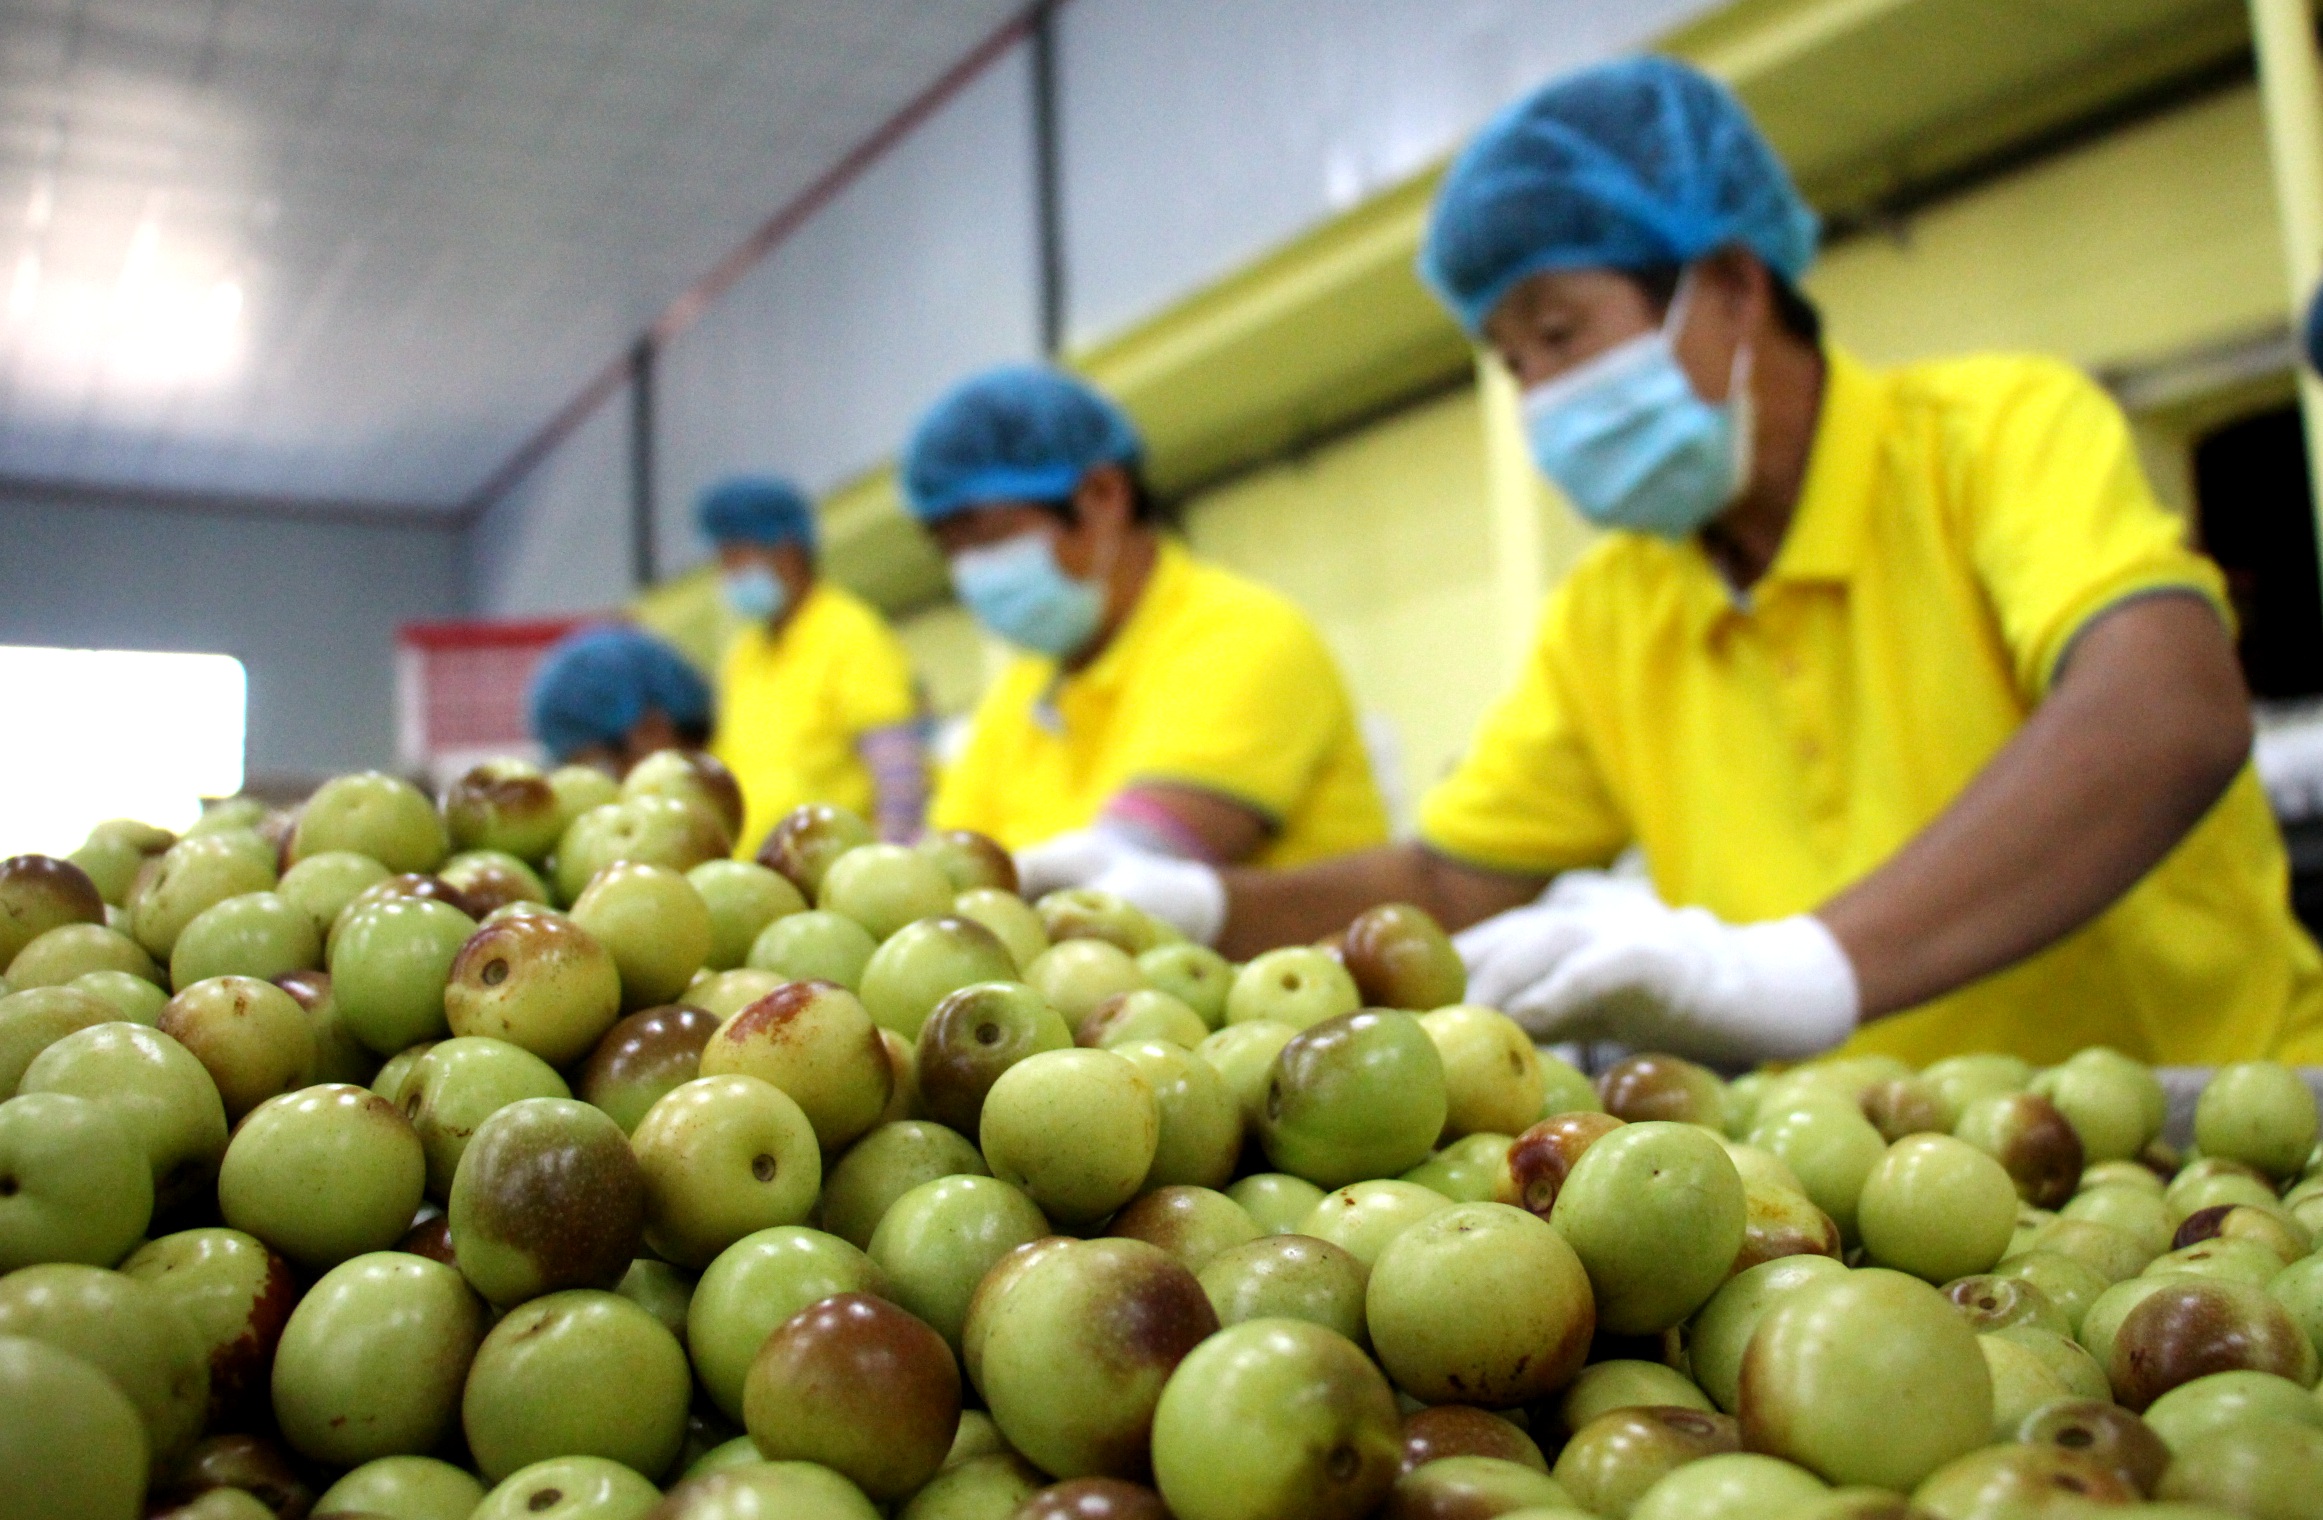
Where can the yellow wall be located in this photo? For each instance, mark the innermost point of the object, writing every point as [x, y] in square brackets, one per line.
[2148, 242]
[1383, 536]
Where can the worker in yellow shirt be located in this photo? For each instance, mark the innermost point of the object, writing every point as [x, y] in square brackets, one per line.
[1155, 698]
[1927, 723]
[815, 695]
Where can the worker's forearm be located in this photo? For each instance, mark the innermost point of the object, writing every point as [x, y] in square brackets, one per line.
[1270, 908]
[2140, 735]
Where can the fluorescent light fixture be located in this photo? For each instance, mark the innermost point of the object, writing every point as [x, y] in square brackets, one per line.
[114, 733]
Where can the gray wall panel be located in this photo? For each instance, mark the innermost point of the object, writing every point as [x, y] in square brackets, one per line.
[309, 607]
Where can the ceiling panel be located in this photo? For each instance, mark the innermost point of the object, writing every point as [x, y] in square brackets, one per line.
[360, 249]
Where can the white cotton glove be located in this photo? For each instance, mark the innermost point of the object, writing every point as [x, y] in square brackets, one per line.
[1183, 893]
[1513, 950]
[1686, 982]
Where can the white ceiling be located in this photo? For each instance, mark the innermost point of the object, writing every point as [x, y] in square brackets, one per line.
[359, 250]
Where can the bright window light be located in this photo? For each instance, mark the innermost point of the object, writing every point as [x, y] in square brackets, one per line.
[114, 733]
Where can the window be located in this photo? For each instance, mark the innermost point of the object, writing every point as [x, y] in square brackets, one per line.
[113, 733]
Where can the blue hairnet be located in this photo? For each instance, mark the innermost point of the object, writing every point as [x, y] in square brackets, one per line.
[757, 509]
[1019, 433]
[594, 685]
[1628, 165]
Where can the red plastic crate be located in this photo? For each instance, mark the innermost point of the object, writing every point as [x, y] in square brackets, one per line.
[460, 690]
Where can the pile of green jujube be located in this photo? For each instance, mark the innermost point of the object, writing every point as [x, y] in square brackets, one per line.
[524, 1154]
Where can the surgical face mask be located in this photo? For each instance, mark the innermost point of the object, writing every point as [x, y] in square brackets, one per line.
[1632, 446]
[1017, 589]
[755, 593]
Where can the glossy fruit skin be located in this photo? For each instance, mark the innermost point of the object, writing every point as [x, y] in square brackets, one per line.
[1831, 1147]
[323, 1174]
[576, 1373]
[548, 1196]
[1469, 1170]
[39, 893]
[1654, 1086]
[503, 805]
[815, 1042]
[2002, 1479]
[2267, 1470]
[1289, 1277]
[884, 887]
[1936, 1207]
[250, 1036]
[643, 1057]
[1363, 1217]
[926, 961]
[321, 886]
[1721, 1331]
[1094, 1499]
[1084, 913]
[886, 1164]
[1610, 1462]
[1739, 1484]
[1400, 957]
[1493, 1082]
[1195, 975]
[338, 1055]
[2104, 1433]
[38, 1017]
[657, 831]
[372, 1361]
[71, 1445]
[2259, 1112]
[2114, 1103]
[1273, 1418]
[1480, 1303]
[254, 934]
[764, 1490]
[654, 924]
[158, 1093]
[2193, 1326]
[1355, 1096]
[723, 1156]
[1080, 1343]
[233, 1292]
[974, 1035]
[1297, 985]
[802, 846]
[970, 860]
[1864, 1377]
[2189, 1413]
[2031, 1140]
[814, 946]
[1076, 1129]
[1542, 1156]
[126, 1329]
[405, 1488]
[63, 955]
[456, 1085]
[1201, 1120]
[1192, 1224]
[1778, 1222]
[1278, 1201]
[692, 776]
[543, 984]
[1074, 976]
[372, 814]
[190, 876]
[1146, 1014]
[986, 1487]
[1655, 1211]
[1244, 1055]
[743, 898]
[389, 963]
[938, 1240]
[753, 1286]
[570, 1488]
[73, 1186]
[1461, 1430]
[1451, 1488]
[862, 1387]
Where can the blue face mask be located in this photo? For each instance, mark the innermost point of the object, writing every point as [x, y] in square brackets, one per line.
[1017, 589]
[754, 593]
[1632, 446]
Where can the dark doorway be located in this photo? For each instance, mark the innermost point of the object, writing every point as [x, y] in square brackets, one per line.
[2250, 478]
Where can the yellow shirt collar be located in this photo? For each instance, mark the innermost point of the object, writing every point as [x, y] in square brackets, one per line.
[1825, 540]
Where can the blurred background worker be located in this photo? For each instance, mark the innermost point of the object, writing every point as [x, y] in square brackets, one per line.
[1924, 716]
[1181, 707]
[612, 694]
[815, 697]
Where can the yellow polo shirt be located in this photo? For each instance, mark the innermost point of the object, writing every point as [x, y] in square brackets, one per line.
[792, 705]
[1214, 682]
[1960, 522]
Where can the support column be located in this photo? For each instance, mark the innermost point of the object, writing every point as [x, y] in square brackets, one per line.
[644, 556]
[2291, 90]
